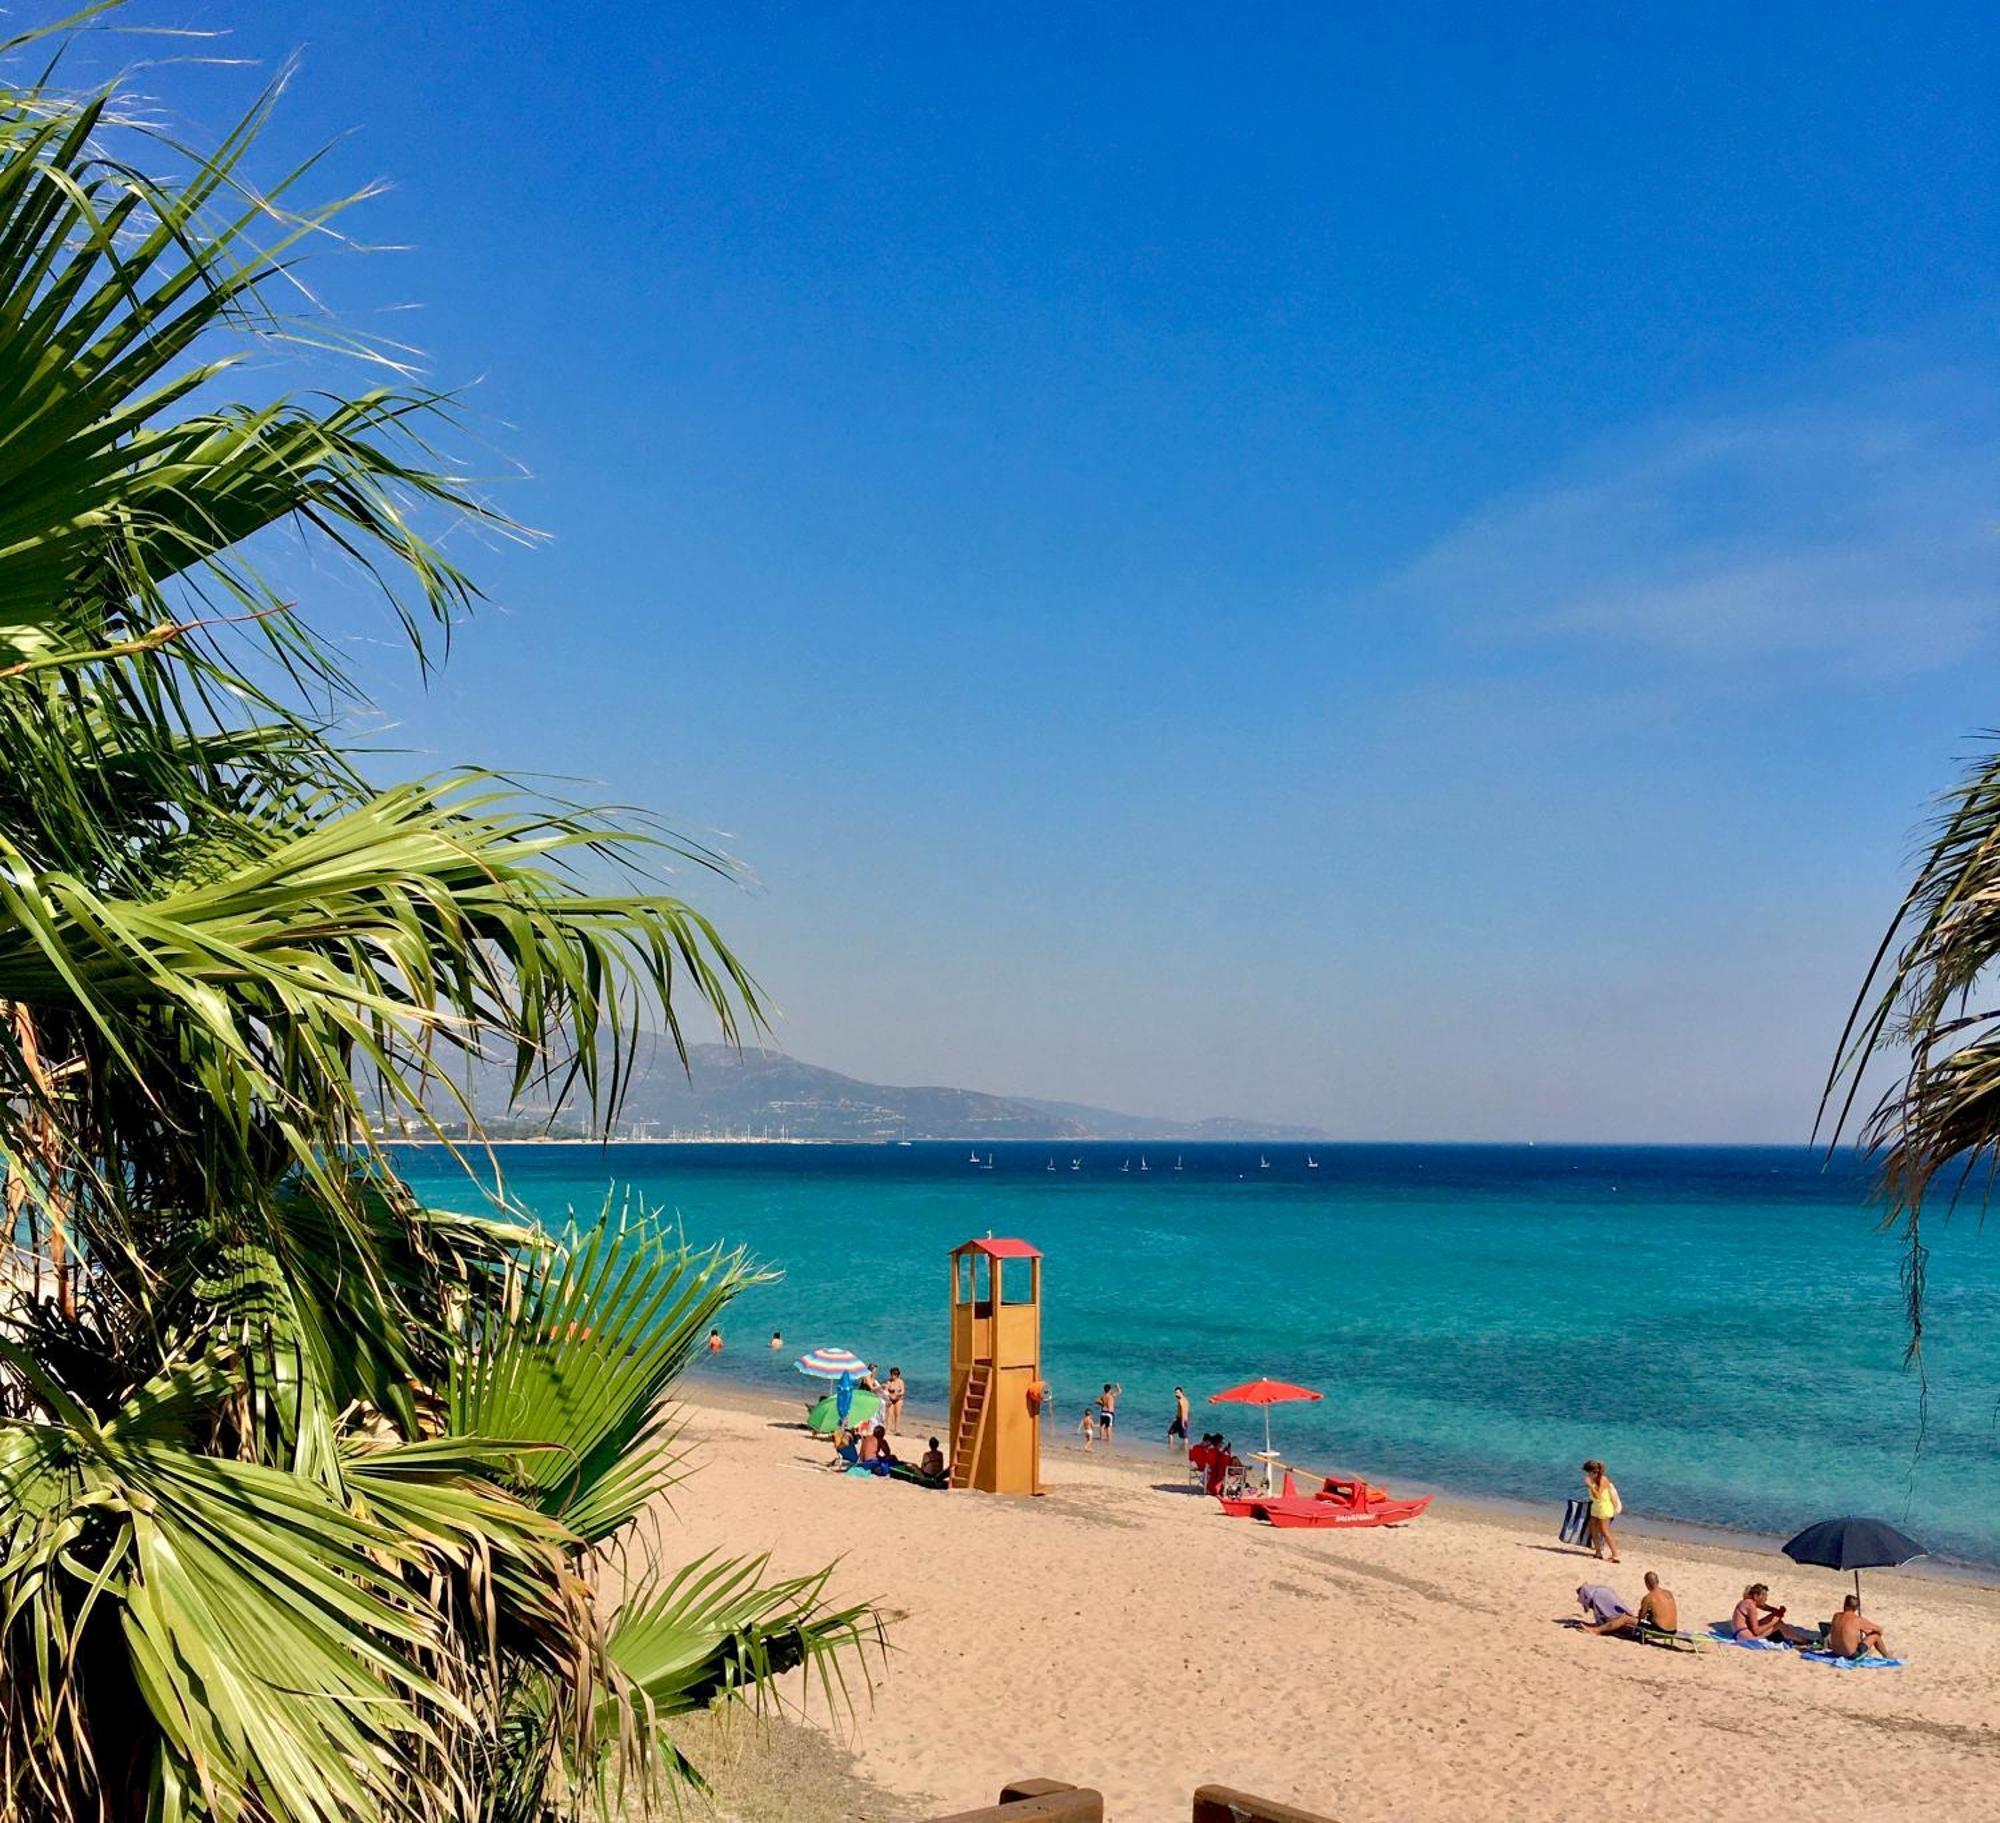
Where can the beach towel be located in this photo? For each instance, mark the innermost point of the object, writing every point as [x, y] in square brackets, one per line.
[1576, 1518]
[1868, 1662]
[1726, 1636]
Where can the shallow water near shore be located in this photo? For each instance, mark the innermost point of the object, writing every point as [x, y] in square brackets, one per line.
[1724, 1326]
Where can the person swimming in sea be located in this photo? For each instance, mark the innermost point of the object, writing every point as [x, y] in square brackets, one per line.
[715, 1341]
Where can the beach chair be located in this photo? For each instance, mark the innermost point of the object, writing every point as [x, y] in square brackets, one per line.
[1659, 1636]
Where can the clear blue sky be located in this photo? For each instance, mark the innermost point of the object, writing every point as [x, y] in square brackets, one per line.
[1412, 569]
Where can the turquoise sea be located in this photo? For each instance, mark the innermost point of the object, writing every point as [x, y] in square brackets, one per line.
[1723, 1326]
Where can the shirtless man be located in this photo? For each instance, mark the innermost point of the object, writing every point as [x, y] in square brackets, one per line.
[1657, 1609]
[1107, 1408]
[1851, 1634]
[1177, 1432]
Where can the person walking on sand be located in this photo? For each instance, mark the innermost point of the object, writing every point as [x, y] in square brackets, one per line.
[892, 1401]
[1177, 1431]
[1605, 1506]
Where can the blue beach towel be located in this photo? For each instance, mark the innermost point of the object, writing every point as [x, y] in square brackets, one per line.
[1726, 1636]
[1869, 1663]
[1575, 1524]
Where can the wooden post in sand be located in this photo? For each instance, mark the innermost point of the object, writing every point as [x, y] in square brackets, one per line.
[996, 1367]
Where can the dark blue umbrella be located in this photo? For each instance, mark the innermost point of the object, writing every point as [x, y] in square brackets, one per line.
[1853, 1544]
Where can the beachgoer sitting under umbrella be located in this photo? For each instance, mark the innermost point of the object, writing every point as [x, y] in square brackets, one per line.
[1851, 1634]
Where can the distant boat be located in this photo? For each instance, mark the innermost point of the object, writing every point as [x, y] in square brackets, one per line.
[1263, 1163]
[988, 1166]
[1143, 1166]
[1126, 1166]
[1312, 1164]
[1076, 1164]
[1177, 1161]
[974, 1159]
[1052, 1164]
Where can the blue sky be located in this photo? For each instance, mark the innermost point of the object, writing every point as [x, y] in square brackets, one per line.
[1409, 572]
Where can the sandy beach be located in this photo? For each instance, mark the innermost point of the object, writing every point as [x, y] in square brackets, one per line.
[1119, 1632]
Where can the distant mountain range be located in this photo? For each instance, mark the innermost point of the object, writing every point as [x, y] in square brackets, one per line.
[767, 1094]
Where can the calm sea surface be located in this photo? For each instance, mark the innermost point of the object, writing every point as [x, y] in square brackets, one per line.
[1723, 1326]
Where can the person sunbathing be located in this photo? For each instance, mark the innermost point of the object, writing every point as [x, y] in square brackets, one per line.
[1657, 1610]
[1851, 1634]
[1756, 1619]
[932, 1466]
[1600, 1601]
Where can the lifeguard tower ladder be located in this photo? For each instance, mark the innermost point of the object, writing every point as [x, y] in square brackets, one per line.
[996, 1367]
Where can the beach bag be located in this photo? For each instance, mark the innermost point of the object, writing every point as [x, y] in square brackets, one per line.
[1576, 1522]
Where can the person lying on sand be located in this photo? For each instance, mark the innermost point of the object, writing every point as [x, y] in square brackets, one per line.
[1657, 1609]
[1851, 1634]
[1600, 1601]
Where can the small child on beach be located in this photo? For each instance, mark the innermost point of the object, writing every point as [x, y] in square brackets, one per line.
[1088, 1425]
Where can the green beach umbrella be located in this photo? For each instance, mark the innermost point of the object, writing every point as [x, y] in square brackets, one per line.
[823, 1418]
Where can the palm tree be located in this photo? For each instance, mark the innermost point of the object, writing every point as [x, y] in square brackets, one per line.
[1923, 1004]
[312, 1499]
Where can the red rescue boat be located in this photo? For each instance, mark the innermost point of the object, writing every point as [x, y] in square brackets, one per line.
[1341, 1500]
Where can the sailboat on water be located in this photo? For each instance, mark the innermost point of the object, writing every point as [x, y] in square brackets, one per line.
[1177, 1161]
[1312, 1164]
[1143, 1166]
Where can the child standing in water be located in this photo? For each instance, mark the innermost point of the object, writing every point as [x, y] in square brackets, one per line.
[1088, 1425]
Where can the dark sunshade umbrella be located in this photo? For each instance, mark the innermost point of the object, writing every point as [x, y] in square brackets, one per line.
[1854, 1544]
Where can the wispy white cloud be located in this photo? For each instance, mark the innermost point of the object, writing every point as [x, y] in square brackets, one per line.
[1859, 532]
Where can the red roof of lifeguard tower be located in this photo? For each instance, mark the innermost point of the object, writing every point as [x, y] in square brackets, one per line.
[1001, 1249]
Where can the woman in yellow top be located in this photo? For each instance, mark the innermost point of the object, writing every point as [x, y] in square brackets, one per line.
[1605, 1506]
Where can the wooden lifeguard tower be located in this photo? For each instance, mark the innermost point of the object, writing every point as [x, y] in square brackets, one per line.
[996, 1367]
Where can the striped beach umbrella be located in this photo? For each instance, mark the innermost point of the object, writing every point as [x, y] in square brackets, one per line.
[831, 1364]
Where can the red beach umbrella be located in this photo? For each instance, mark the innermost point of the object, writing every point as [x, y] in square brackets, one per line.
[1267, 1393]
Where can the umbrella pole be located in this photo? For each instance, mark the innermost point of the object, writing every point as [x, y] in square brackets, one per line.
[1267, 1449]
[1857, 1588]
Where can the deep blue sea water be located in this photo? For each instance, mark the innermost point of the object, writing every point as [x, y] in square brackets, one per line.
[1723, 1326]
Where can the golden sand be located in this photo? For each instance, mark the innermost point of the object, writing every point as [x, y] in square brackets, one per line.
[1121, 1633]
